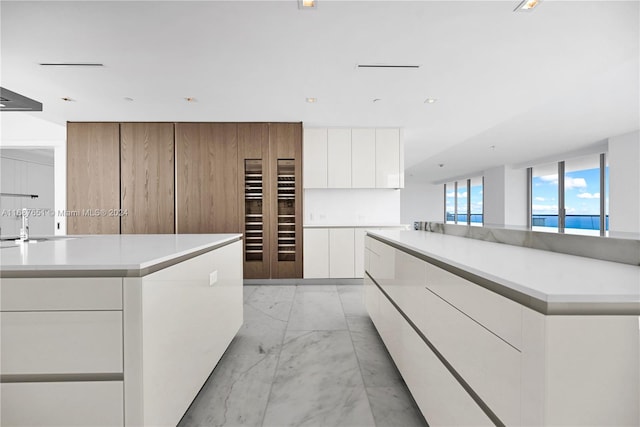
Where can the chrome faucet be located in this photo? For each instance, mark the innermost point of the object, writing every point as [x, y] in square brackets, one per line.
[24, 230]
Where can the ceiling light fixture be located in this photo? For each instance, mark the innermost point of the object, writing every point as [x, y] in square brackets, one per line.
[307, 4]
[72, 64]
[414, 66]
[190, 99]
[126, 98]
[312, 100]
[527, 5]
[430, 100]
[2, 105]
[376, 100]
[66, 99]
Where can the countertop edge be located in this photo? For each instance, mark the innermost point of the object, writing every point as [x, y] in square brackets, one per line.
[536, 303]
[127, 271]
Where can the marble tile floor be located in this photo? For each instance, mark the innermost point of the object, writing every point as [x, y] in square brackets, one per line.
[307, 355]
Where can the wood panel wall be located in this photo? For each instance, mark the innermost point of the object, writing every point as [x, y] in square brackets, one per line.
[207, 178]
[93, 177]
[147, 178]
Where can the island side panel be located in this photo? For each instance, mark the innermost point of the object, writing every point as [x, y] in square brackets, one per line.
[189, 313]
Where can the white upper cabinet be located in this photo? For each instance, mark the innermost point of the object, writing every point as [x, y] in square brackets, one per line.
[388, 158]
[353, 158]
[363, 151]
[339, 158]
[314, 158]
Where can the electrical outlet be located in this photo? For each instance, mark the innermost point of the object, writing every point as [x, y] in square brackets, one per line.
[213, 278]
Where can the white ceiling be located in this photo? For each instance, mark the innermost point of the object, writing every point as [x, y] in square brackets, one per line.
[557, 79]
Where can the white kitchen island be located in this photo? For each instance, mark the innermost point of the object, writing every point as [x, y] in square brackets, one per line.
[492, 334]
[114, 330]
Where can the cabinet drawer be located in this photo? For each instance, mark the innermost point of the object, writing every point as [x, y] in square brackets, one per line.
[61, 342]
[487, 363]
[440, 397]
[83, 293]
[500, 315]
[62, 404]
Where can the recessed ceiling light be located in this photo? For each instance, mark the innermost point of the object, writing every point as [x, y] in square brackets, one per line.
[190, 99]
[441, 165]
[376, 100]
[307, 4]
[312, 100]
[126, 98]
[66, 99]
[430, 100]
[527, 5]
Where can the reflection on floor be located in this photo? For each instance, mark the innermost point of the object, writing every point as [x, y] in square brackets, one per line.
[306, 355]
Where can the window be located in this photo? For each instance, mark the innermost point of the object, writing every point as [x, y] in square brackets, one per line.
[477, 201]
[464, 201]
[570, 196]
[544, 198]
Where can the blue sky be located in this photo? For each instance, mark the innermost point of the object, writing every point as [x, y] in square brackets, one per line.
[476, 198]
[582, 193]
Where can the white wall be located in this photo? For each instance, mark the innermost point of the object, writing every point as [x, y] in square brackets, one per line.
[624, 183]
[505, 196]
[351, 206]
[20, 130]
[421, 201]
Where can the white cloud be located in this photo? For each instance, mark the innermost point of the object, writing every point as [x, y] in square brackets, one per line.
[552, 209]
[550, 178]
[463, 194]
[451, 194]
[589, 196]
[570, 183]
[539, 199]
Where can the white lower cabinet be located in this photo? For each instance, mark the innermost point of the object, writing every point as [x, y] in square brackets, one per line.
[341, 253]
[512, 364]
[440, 397]
[316, 253]
[61, 342]
[82, 404]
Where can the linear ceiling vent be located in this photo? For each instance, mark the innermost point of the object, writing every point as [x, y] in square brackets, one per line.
[12, 101]
[71, 64]
[409, 66]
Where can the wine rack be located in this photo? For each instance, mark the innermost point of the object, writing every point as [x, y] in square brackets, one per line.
[254, 215]
[286, 210]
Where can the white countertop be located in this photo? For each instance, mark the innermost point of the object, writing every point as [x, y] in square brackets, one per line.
[564, 284]
[105, 255]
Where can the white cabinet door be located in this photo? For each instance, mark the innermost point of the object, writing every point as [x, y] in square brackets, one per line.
[81, 404]
[314, 158]
[359, 234]
[341, 253]
[363, 158]
[388, 158]
[316, 253]
[339, 158]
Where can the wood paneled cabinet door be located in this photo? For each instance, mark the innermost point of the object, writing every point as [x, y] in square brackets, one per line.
[286, 192]
[93, 178]
[147, 178]
[207, 178]
[255, 200]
